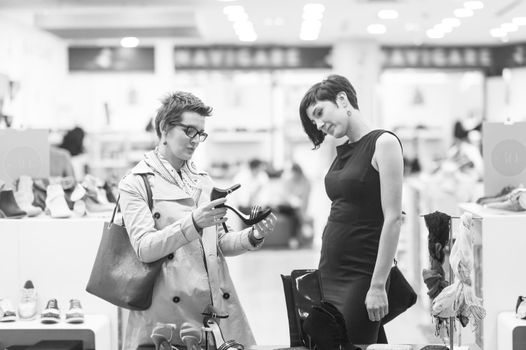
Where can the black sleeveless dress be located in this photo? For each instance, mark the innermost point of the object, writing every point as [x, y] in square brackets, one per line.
[351, 237]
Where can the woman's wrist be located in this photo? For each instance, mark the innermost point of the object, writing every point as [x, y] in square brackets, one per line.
[254, 241]
[197, 228]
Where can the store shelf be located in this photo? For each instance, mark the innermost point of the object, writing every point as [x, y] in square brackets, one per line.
[62, 275]
[498, 241]
[94, 332]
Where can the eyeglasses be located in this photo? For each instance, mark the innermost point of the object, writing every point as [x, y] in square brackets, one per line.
[192, 132]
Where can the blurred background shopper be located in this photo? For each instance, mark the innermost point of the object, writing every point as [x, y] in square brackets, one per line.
[364, 184]
[185, 226]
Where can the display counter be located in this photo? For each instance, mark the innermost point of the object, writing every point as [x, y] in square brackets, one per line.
[499, 247]
[57, 255]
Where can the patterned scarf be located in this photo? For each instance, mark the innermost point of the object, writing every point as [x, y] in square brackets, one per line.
[185, 179]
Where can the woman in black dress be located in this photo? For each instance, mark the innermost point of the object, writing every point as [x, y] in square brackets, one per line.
[364, 184]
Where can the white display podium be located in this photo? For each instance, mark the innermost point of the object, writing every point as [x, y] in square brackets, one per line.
[499, 247]
[94, 332]
[57, 255]
[511, 332]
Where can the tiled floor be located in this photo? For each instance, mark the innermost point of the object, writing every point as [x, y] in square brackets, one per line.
[257, 279]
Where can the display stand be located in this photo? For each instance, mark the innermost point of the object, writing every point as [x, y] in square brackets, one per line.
[94, 332]
[57, 255]
[498, 247]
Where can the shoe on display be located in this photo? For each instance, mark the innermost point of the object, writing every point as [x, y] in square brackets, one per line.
[499, 197]
[92, 206]
[51, 313]
[78, 193]
[8, 205]
[56, 203]
[94, 189]
[520, 308]
[7, 311]
[75, 314]
[27, 307]
[79, 208]
[24, 196]
[512, 202]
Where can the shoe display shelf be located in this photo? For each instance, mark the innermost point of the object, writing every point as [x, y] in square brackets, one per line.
[94, 332]
[499, 245]
[57, 255]
[112, 153]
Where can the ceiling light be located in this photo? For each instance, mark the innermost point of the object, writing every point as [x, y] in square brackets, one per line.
[237, 16]
[313, 8]
[226, 0]
[520, 21]
[474, 5]
[434, 34]
[451, 22]
[376, 29]
[388, 14]
[129, 41]
[312, 16]
[463, 12]
[497, 33]
[509, 27]
[444, 28]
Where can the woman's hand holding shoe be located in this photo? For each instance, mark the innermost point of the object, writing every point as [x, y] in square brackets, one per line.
[209, 214]
[265, 227]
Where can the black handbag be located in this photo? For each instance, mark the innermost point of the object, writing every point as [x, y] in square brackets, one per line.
[117, 275]
[400, 295]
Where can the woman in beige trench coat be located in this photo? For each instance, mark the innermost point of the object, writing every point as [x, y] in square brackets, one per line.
[186, 227]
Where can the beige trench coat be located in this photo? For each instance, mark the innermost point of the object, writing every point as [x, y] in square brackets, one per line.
[195, 273]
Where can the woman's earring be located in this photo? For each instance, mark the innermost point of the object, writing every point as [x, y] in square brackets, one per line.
[349, 113]
[165, 143]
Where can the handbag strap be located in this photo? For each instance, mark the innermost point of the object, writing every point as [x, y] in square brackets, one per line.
[149, 196]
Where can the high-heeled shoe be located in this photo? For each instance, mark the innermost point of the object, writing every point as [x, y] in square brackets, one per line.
[256, 214]
[211, 325]
[162, 335]
[220, 193]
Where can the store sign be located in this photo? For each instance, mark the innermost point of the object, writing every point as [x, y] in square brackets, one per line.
[491, 59]
[251, 57]
[437, 57]
[23, 152]
[111, 59]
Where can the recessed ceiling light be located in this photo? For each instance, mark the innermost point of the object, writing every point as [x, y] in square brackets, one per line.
[376, 28]
[474, 5]
[463, 12]
[387, 14]
[129, 41]
[226, 0]
[451, 21]
[444, 28]
[434, 34]
[316, 16]
[520, 21]
[497, 33]
[509, 27]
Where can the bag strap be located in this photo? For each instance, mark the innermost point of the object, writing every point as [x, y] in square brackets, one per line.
[149, 196]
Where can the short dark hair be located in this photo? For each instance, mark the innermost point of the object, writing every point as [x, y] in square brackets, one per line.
[174, 105]
[326, 90]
